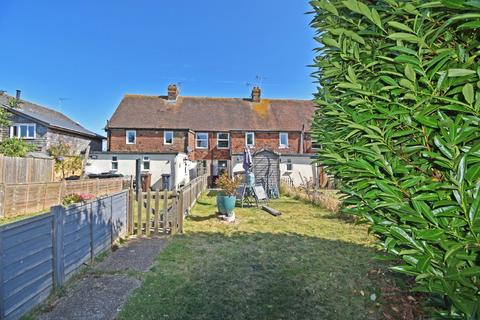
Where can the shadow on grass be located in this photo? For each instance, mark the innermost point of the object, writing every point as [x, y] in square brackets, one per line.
[202, 218]
[202, 203]
[258, 276]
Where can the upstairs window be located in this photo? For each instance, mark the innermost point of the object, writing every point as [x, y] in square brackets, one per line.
[146, 163]
[202, 140]
[168, 137]
[23, 131]
[223, 140]
[114, 163]
[131, 136]
[283, 140]
[250, 139]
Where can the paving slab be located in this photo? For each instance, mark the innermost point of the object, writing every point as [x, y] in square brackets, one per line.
[137, 255]
[102, 292]
[94, 297]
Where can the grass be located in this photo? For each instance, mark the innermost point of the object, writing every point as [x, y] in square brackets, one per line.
[6, 220]
[305, 264]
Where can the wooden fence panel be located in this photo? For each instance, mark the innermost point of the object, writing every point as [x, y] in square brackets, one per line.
[21, 199]
[42, 252]
[26, 170]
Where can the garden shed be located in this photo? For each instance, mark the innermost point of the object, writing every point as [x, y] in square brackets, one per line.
[266, 167]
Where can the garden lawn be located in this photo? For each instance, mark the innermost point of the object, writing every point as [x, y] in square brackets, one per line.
[305, 264]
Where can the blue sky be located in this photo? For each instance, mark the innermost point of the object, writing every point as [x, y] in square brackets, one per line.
[81, 57]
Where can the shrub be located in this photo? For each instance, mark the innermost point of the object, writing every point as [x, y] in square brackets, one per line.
[14, 147]
[398, 118]
[228, 185]
[77, 197]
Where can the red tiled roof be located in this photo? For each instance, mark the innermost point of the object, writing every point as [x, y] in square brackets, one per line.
[212, 114]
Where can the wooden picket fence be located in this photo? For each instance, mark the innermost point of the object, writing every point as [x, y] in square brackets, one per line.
[26, 198]
[163, 212]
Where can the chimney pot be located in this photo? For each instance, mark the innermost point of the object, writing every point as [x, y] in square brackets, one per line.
[256, 94]
[19, 93]
[173, 92]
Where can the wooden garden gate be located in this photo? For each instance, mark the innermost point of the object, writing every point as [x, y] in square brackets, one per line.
[155, 212]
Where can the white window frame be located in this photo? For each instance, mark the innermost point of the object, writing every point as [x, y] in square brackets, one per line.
[253, 138]
[228, 140]
[280, 144]
[115, 160]
[165, 137]
[196, 140]
[18, 125]
[135, 136]
[146, 159]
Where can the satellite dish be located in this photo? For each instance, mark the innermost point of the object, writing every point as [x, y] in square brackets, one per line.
[189, 149]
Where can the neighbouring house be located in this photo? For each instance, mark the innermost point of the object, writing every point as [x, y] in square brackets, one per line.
[208, 133]
[45, 127]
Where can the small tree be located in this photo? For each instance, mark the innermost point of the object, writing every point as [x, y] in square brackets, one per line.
[65, 161]
[14, 147]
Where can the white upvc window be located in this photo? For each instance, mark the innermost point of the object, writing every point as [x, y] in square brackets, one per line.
[250, 139]
[23, 130]
[146, 163]
[201, 140]
[114, 163]
[167, 137]
[283, 140]
[223, 140]
[131, 136]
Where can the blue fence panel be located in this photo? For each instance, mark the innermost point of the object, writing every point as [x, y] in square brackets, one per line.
[26, 264]
[76, 238]
[119, 218]
[42, 252]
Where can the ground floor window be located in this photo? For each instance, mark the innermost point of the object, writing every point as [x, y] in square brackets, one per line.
[289, 165]
[114, 163]
[146, 163]
[222, 167]
[23, 130]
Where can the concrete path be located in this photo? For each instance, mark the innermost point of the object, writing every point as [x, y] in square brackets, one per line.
[104, 289]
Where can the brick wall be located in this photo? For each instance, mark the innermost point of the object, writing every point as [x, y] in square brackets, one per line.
[270, 140]
[212, 152]
[148, 140]
[152, 141]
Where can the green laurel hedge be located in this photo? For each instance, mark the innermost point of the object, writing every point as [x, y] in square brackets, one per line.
[399, 122]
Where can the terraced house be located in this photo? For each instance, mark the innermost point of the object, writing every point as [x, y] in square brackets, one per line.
[208, 132]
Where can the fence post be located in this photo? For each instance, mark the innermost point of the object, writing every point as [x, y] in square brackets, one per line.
[131, 202]
[182, 211]
[58, 213]
[90, 226]
[165, 210]
[2, 200]
[2, 289]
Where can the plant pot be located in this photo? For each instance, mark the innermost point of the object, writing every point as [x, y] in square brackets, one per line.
[225, 204]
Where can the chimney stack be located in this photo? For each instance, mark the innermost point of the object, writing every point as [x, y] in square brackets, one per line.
[173, 92]
[19, 93]
[256, 94]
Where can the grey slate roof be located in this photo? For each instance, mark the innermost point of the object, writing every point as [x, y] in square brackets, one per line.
[48, 116]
